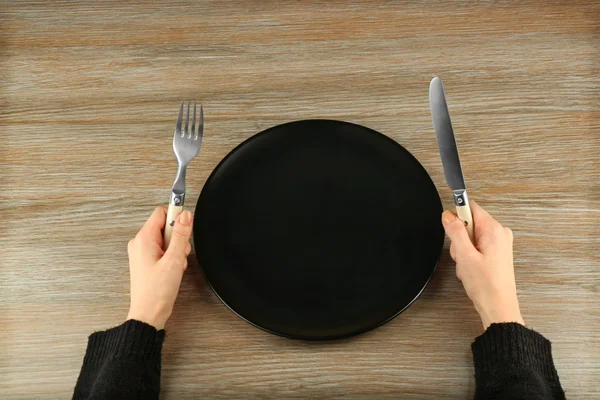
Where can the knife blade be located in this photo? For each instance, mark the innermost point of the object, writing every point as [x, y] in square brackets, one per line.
[449, 152]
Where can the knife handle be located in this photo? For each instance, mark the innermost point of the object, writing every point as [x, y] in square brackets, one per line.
[464, 214]
[172, 215]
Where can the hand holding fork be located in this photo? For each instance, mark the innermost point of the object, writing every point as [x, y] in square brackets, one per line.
[186, 145]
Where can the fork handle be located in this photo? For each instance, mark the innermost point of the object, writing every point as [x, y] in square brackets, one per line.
[172, 215]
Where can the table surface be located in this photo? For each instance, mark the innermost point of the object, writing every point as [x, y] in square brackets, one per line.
[89, 93]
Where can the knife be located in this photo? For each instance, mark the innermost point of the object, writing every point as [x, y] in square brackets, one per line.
[449, 153]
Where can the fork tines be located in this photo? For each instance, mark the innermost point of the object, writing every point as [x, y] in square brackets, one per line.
[191, 131]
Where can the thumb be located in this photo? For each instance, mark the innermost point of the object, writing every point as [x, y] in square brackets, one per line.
[180, 236]
[457, 232]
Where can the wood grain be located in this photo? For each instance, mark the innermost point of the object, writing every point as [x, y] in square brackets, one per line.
[89, 93]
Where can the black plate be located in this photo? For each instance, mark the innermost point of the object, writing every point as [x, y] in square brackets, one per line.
[318, 229]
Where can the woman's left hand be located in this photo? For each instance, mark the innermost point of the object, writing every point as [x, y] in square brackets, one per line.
[156, 274]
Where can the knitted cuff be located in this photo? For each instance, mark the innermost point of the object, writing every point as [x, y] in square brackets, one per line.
[132, 340]
[513, 344]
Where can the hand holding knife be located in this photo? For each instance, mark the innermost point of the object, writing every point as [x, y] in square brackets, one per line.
[449, 153]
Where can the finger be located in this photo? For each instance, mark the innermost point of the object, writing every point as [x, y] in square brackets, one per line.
[453, 251]
[457, 232]
[481, 218]
[188, 249]
[180, 238]
[509, 235]
[487, 229]
[156, 221]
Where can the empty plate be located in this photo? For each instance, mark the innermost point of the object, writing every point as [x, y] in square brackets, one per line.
[318, 229]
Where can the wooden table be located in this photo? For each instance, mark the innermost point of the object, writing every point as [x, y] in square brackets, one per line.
[89, 93]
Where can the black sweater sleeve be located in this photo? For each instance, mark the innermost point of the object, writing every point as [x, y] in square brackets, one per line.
[514, 362]
[511, 362]
[122, 363]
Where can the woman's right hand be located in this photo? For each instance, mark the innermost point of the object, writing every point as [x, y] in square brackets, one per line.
[486, 270]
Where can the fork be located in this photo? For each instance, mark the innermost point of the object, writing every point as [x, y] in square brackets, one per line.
[186, 145]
